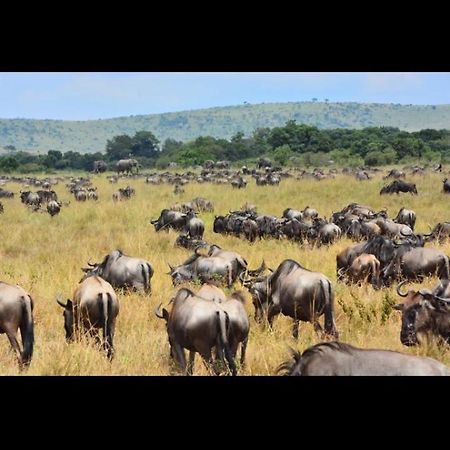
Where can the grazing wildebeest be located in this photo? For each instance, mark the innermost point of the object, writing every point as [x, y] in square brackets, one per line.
[238, 263]
[170, 219]
[30, 198]
[339, 359]
[6, 194]
[399, 186]
[16, 311]
[197, 325]
[406, 217]
[100, 166]
[123, 271]
[53, 207]
[446, 186]
[94, 306]
[363, 268]
[395, 173]
[441, 232]
[296, 292]
[424, 315]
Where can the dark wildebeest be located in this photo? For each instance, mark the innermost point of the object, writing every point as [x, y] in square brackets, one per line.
[53, 207]
[94, 306]
[170, 219]
[417, 263]
[424, 315]
[441, 232]
[296, 292]
[446, 186]
[364, 268]
[16, 311]
[1, 208]
[399, 186]
[339, 359]
[189, 243]
[406, 217]
[123, 271]
[30, 198]
[250, 229]
[205, 268]
[195, 227]
[6, 194]
[197, 325]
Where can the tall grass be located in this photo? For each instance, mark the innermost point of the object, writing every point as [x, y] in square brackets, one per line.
[44, 256]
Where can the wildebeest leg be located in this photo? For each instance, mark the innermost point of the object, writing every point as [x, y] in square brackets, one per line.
[180, 357]
[318, 328]
[271, 313]
[243, 350]
[190, 366]
[208, 361]
[12, 336]
[94, 333]
[295, 325]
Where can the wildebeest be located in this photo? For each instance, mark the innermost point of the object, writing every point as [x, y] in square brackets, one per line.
[30, 198]
[170, 219]
[53, 207]
[398, 186]
[80, 195]
[94, 306]
[197, 325]
[195, 227]
[205, 268]
[250, 229]
[16, 312]
[446, 186]
[416, 264]
[441, 232]
[364, 268]
[238, 263]
[296, 292]
[339, 359]
[122, 271]
[189, 243]
[406, 217]
[6, 194]
[1, 208]
[178, 189]
[424, 315]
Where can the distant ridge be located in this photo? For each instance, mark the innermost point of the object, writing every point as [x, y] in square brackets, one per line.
[222, 122]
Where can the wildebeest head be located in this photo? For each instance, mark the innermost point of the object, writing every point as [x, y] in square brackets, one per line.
[68, 317]
[418, 313]
[97, 269]
[181, 274]
[258, 286]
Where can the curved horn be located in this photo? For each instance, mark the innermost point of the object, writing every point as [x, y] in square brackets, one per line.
[399, 292]
[241, 277]
[170, 266]
[58, 300]
[158, 313]
[341, 272]
[403, 234]
[446, 300]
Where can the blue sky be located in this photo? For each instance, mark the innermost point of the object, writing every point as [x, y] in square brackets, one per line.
[89, 95]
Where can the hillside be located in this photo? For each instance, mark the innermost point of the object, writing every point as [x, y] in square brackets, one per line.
[90, 136]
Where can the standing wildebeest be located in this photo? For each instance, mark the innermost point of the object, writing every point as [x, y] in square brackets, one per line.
[16, 311]
[250, 229]
[53, 207]
[363, 267]
[195, 227]
[406, 217]
[446, 186]
[399, 186]
[123, 271]
[295, 292]
[424, 315]
[339, 359]
[417, 263]
[94, 306]
[30, 198]
[126, 165]
[6, 194]
[100, 166]
[197, 325]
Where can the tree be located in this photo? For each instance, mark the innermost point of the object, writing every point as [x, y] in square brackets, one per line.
[8, 164]
[145, 143]
[119, 147]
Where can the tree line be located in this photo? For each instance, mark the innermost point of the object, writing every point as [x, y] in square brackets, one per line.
[291, 144]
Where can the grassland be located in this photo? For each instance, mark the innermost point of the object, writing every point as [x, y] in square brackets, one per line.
[90, 136]
[44, 256]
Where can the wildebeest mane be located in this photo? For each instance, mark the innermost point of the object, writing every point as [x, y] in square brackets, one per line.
[191, 259]
[286, 367]
[334, 345]
[285, 268]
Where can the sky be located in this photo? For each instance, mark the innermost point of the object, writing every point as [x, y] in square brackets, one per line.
[91, 95]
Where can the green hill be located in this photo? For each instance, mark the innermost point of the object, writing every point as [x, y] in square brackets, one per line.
[90, 136]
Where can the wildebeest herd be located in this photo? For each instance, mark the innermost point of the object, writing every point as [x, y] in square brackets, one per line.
[207, 313]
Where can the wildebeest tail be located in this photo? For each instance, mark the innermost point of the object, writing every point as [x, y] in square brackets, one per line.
[328, 296]
[223, 347]
[291, 366]
[27, 330]
[106, 313]
[147, 273]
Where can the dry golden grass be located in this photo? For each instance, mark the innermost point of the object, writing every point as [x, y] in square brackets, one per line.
[44, 256]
